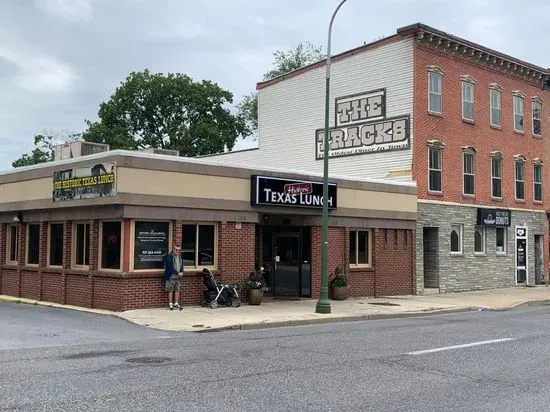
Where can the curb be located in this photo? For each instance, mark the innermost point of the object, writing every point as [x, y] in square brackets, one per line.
[24, 301]
[357, 318]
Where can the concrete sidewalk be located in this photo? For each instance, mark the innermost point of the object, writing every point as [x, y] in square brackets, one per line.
[275, 313]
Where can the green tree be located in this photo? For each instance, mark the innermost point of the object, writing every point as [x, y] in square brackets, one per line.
[43, 151]
[284, 62]
[170, 112]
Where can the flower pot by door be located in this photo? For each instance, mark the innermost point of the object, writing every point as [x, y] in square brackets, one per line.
[339, 292]
[255, 297]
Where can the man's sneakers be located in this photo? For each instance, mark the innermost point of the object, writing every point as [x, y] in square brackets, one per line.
[174, 306]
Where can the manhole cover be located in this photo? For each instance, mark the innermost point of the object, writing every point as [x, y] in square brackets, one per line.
[384, 304]
[148, 359]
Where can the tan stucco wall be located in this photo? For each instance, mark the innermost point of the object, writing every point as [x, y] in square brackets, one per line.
[26, 190]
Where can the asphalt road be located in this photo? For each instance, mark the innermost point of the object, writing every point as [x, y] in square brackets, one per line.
[54, 359]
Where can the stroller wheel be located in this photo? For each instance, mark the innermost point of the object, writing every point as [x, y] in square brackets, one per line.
[235, 303]
[214, 304]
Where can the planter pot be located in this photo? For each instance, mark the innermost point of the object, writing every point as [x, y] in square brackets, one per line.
[339, 292]
[255, 296]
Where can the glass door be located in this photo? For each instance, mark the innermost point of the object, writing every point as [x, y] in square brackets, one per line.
[286, 264]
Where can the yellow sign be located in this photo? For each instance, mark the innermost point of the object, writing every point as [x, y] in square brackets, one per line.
[88, 181]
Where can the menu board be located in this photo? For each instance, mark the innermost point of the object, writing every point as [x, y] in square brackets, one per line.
[150, 244]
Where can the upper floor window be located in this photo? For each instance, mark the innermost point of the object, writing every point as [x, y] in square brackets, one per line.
[496, 177]
[518, 113]
[537, 111]
[520, 180]
[495, 96]
[468, 100]
[537, 182]
[468, 172]
[434, 92]
[434, 167]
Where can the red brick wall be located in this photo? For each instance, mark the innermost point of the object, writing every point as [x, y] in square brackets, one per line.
[108, 293]
[52, 287]
[336, 254]
[10, 281]
[30, 284]
[236, 251]
[78, 290]
[2, 252]
[393, 259]
[455, 133]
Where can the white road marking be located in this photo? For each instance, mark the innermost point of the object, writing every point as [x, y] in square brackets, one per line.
[466, 345]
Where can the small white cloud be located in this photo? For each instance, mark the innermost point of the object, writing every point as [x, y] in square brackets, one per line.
[71, 10]
[39, 73]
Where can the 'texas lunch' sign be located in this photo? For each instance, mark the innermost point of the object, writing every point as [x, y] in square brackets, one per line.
[274, 191]
[361, 127]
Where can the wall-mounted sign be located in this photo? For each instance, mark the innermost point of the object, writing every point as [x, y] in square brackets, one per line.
[274, 191]
[361, 127]
[150, 244]
[494, 217]
[84, 182]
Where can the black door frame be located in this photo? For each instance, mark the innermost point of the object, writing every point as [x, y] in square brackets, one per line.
[288, 234]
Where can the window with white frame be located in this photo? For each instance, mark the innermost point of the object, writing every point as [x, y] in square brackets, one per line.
[360, 247]
[434, 169]
[501, 240]
[468, 100]
[434, 92]
[468, 172]
[518, 113]
[537, 111]
[111, 245]
[495, 96]
[537, 183]
[199, 245]
[520, 180]
[12, 243]
[456, 238]
[81, 247]
[479, 239]
[496, 177]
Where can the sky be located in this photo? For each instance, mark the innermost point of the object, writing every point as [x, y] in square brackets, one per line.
[59, 59]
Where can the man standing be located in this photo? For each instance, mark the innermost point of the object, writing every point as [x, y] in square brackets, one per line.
[173, 271]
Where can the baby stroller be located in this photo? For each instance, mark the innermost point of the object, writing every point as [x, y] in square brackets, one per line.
[222, 294]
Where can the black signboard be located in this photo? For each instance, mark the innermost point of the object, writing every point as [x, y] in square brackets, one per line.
[150, 244]
[494, 217]
[274, 191]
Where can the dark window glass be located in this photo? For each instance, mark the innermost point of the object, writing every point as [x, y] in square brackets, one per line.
[33, 245]
[56, 244]
[82, 244]
[110, 245]
[500, 239]
[363, 248]
[189, 241]
[455, 246]
[537, 178]
[352, 247]
[14, 243]
[206, 245]
[478, 240]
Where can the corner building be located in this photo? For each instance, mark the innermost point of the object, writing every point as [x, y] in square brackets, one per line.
[468, 124]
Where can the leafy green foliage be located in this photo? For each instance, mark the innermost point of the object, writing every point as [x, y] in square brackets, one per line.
[43, 151]
[169, 112]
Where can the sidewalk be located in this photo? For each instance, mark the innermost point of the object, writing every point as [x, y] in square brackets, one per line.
[275, 313]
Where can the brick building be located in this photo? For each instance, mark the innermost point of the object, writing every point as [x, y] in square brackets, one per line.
[466, 123]
[93, 230]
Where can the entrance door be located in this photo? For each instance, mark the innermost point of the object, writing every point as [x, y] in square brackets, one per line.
[286, 264]
[539, 273]
[431, 257]
[521, 254]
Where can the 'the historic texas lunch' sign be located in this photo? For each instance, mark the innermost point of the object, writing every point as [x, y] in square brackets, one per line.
[361, 127]
[274, 191]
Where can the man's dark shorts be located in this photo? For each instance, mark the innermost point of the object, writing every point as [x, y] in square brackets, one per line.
[173, 284]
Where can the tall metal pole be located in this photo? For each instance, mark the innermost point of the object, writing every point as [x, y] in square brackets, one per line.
[323, 304]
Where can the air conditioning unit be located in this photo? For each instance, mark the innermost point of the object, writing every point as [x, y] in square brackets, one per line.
[166, 152]
[78, 149]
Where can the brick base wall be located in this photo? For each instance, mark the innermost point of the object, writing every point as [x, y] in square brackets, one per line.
[30, 285]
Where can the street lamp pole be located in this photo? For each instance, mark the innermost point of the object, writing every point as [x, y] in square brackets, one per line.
[323, 304]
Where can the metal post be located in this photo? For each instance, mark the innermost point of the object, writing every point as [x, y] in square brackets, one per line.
[323, 304]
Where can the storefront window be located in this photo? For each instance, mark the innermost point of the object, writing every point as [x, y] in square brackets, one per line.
[13, 244]
[359, 247]
[150, 244]
[82, 250]
[199, 245]
[33, 244]
[55, 244]
[501, 240]
[111, 245]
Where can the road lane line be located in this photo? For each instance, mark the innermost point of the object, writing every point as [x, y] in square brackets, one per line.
[466, 345]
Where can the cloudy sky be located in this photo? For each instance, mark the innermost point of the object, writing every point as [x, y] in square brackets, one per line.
[60, 58]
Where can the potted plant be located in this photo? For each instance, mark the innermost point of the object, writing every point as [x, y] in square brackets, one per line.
[255, 285]
[338, 285]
